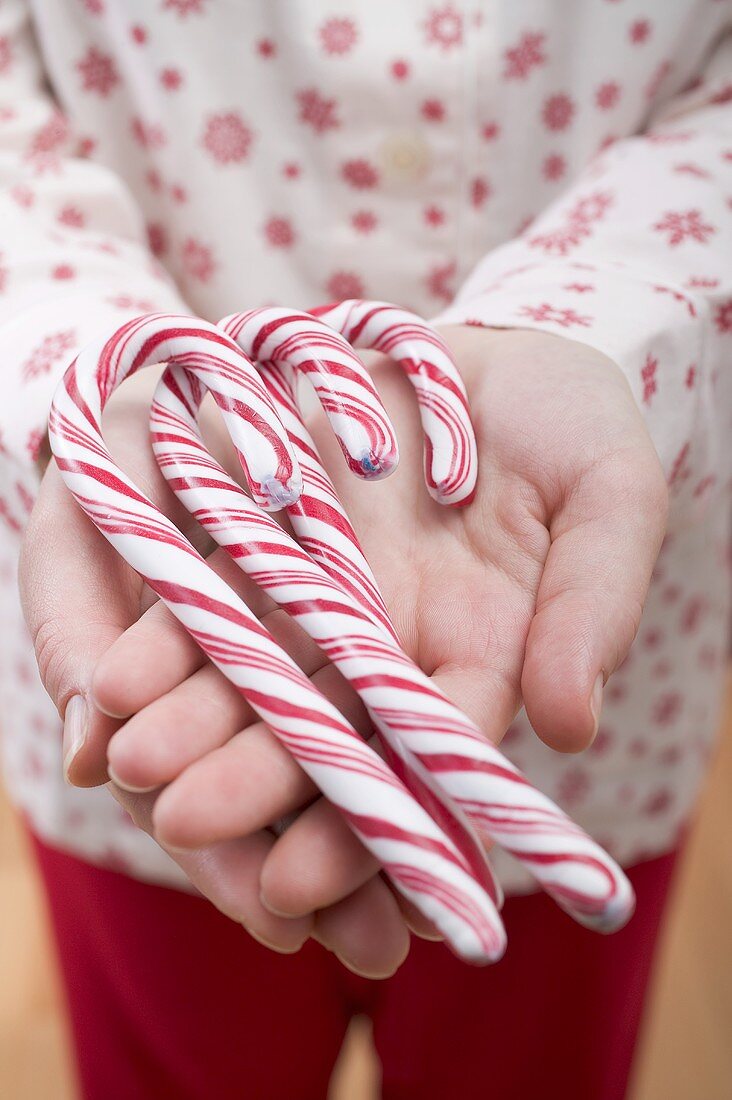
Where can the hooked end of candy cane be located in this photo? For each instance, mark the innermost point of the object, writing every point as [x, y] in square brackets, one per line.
[485, 953]
[446, 494]
[276, 494]
[372, 465]
[609, 915]
[616, 913]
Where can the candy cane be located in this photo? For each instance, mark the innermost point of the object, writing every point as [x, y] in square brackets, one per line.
[419, 858]
[406, 706]
[450, 453]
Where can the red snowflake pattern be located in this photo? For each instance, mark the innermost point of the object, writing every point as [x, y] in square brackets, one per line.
[22, 195]
[648, 377]
[52, 349]
[577, 226]
[554, 167]
[317, 111]
[526, 55]
[98, 72]
[684, 225]
[565, 318]
[266, 48]
[639, 31]
[171, 79]
[667, 708]
[441, 281]
[157, 238]
[364, 221]
[338, 36]
[359, 173]
[702, 281]
[678, 296]
[184, 8]
[688, 168]
[480, 191]
[279, 232]
[127, 302]
[557, 112]
[342, 285]
[434, 215]
[198, 260]
[148, 135]
[227, 137]
[723, 316]
[138, 34]
[490, 131]
[607, 95]
[71, 216]
[6, 53]
[46, 146]
[444, 27]
[433, 110]
[400, 69]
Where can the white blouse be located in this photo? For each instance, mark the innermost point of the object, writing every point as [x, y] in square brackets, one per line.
[563, 165]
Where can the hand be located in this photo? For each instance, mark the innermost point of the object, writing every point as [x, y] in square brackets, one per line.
[79, 597]
[531, 594]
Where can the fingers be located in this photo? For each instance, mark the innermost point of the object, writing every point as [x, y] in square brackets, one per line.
[155, 745]
[78, 597]
[249, 782]
[245, 785]
[488, 696]
[156, 653]
[318, 861]
[228, 875]
[605, 542]
[366, 931]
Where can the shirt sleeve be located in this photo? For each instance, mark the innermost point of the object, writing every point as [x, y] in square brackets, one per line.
[636, 261]
[73, 251]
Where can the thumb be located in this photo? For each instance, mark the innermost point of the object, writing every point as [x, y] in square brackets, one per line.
[605, 542]
[78, 596]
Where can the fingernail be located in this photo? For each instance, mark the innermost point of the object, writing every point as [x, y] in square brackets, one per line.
[272, 946]
[76, 727]
[128, 786]
[596, 703]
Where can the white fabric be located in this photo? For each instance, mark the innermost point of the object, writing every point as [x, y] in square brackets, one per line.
[567, 165]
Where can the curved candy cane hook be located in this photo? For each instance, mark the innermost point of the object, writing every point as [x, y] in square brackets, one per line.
[419, 858]
[494, 794]
[338, 376]
[450, 452]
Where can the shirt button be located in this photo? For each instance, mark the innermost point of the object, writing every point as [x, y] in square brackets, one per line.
[404, 157]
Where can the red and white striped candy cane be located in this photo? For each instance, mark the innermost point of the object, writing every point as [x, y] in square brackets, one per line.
[419, 858]
[450, 453]
[412, 711]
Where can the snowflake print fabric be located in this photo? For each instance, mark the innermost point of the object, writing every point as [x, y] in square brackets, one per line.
[559, 167]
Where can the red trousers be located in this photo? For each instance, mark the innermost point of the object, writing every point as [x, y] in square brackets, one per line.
[169, 999]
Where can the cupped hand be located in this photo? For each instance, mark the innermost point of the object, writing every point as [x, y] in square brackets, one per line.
[531, 595]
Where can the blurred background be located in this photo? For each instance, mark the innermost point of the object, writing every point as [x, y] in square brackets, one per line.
[685, 1053]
